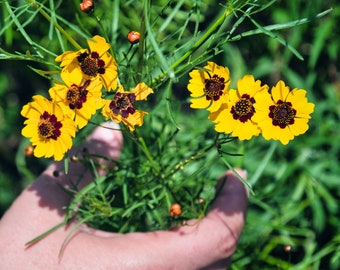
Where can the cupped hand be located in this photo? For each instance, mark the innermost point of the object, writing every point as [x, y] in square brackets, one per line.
[208, 244]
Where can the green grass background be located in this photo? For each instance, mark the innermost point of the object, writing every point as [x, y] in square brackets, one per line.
[294, 217]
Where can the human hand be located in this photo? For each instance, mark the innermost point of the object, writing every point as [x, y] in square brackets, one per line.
[207, 245]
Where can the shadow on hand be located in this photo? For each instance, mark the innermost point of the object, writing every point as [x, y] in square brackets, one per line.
[55, 186]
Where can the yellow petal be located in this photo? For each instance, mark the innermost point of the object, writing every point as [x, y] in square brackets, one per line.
[280, 91]
[98, 44]
[299, 127]
[200, 103]
[135, 119]
[142, 91]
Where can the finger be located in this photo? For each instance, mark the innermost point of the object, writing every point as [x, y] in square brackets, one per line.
[231, 204]
[229, 210]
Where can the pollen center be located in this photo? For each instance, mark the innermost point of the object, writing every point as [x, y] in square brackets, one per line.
[282, 114]
[91, 64]
[76, 95]
[49, 126]
[243, 109]
[122, 103]
[214, 87]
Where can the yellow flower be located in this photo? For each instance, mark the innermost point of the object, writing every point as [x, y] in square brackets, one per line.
[121, 107]
[282, 114]
[89, 64]
[236, 115]
[50, 132]
[209, 87]
[78, 98]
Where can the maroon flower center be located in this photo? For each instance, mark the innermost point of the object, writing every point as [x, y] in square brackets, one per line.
[122, 103]
[49, 126]
[243, 109]
[214, 87]
[91, 64]
[282, 114]
[76, 95]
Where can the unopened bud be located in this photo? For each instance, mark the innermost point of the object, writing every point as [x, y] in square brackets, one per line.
[133, 37]
[175, 210]
[29, 150]
[87, 6]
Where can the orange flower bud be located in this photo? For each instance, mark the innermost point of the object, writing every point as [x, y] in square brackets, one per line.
[175, 210]
[133, 37]
[87, 6]
[29, 150]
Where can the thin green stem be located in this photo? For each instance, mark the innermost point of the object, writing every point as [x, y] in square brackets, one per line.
[205, 36]
[142, 32]
[199, 42]
[35, 5]
[142, 145]
[145, 149]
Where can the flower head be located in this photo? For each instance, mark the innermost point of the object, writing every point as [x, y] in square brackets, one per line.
[89, 64]
[79, 99]
[50, 132]
[282, 114]
[236, 115]
[209, 87]
[121, 107]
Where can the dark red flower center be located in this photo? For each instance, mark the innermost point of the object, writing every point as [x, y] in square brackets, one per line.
[91, 64]
[214, 87]
[243, 109]
[49, 126]
[77, 95]
[122, 103]
[282, 114]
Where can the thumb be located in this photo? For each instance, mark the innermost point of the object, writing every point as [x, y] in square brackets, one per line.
[231, 204]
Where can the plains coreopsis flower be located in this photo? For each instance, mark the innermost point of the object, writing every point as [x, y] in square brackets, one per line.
[282, 114]
[78, 98]
[92, 63]
[49, 130]
[121, 107]
[236, 115]
[209, 86]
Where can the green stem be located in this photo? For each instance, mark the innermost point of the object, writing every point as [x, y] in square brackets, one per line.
[145, 149]
[141, 48]
[35, 5]
[199, 43]
[141, 143]
[206, 35]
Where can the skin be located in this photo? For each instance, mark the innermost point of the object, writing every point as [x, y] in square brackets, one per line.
[208, 244]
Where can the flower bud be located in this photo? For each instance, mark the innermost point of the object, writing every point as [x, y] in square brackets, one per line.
[133, 37]
[175, 210]
[29, 150]
[87, 6]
